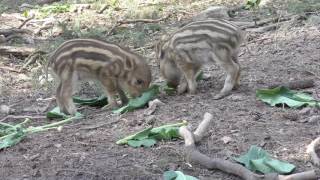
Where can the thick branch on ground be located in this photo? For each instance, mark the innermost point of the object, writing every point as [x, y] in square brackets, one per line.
[193, 155]
[16, 51]
[263, 29]
[7, 32]
[25, 21]
[298, 84]
[311, 150]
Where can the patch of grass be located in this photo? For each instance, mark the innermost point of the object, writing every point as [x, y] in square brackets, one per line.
[54, 8]
[301, 6]
[75, 31]
[132, 36]
[3, 8]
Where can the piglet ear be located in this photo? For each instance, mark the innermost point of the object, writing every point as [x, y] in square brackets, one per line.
[128, 64]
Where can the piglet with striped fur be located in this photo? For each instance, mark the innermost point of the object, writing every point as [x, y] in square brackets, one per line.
[182, 54]
[115, 68]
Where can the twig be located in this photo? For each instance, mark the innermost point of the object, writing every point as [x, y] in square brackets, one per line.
[144, 47]
[22, 117]
[25, 21]
[103, 8]
[194, 155]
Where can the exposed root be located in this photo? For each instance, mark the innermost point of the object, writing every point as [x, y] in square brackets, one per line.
[193, 155]
[26, 21]
[16, 51]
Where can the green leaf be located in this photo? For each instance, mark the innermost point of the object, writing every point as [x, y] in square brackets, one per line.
[12, 139]
[257, 159]
[169, 175]
[282, 95]
[177, 175]
[56, 113]
[141, 101]
[95, 102]
[199, 76]
[279, 166]
[143, 142]
[137, 136]
[25, 13]
[250, 4]
[165, 133]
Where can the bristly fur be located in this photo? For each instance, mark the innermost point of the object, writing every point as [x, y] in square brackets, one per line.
[116, 68]
[183, 53]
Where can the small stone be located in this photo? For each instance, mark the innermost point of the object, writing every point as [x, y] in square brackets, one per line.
[4, 109]
[226, 139]
[235, 97]
[314, 20]
[150, 119]
[291, 116]
[57, 145]
[305, 111]
[314, 119]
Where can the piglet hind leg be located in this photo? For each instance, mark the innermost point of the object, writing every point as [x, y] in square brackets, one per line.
[64, 96]
[110, 90]
[235, 59]
[233, 72]
[189, 71]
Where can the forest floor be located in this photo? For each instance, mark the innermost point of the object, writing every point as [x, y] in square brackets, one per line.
[86, 149]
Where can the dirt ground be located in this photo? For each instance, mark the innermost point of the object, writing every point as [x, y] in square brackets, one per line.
[86, 149]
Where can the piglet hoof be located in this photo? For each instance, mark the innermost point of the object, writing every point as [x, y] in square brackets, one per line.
[182, 89]
[220, 96]
[192, 91]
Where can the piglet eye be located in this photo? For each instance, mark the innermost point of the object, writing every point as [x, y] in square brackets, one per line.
[139, 82]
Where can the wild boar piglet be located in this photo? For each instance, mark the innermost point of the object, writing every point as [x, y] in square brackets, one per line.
[182, 54]
[115, 68]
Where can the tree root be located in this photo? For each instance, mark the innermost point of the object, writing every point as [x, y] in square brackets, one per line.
[32, 58]
[16, 51]
[193, 155]
[26, 21]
